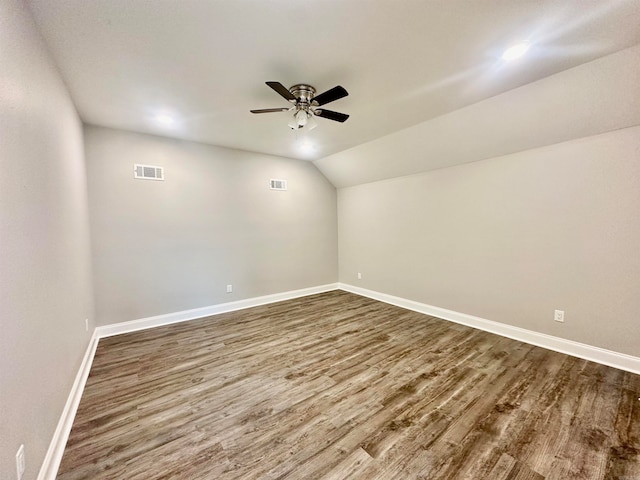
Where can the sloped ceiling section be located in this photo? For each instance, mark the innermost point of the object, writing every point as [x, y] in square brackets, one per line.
[592, 98]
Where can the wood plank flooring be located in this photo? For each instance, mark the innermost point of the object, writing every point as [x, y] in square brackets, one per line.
[338, 386]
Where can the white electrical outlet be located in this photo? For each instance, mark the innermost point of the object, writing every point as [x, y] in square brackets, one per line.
[558, 315]
[359, 276]
[86, 324]
[229, 288]
[20, 465]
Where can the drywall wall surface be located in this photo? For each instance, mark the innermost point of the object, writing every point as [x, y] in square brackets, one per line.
[511, 239]
[592, 98]
[45, 281]
[166, 246]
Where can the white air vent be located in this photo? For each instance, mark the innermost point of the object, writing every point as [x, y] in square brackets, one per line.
[148, 172]
[278, 184]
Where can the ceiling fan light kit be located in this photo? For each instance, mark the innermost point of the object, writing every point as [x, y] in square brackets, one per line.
[306, 103]
[302, 118]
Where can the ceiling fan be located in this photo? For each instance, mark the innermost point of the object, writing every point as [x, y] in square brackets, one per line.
[306, 103]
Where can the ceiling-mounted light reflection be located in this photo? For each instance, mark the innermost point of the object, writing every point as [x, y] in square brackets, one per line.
[516, 51]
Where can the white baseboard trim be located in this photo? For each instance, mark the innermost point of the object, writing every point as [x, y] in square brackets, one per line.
[53, 457]
[595, 354]
[185, 315]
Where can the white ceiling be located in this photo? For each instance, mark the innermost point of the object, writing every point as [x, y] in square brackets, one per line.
[402, 61]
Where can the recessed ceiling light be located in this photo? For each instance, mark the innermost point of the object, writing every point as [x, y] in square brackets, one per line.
[515, 51]
[306, 148]
[164, 119]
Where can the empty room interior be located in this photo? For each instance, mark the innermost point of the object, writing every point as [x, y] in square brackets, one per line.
[320, 239]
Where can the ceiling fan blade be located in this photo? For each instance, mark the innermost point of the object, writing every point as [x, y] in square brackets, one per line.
[331, 115]
[282, 90]
[270, 110]
[330, 95]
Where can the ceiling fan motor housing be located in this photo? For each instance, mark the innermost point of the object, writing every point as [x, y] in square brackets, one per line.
[304, 94]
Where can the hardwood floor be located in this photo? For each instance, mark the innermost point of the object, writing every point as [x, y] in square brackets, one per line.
[338, 386]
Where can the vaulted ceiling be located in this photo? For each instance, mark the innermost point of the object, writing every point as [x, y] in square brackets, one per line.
[204, 63]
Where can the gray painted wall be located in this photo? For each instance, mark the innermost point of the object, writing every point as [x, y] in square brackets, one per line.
[45, 282]
[162, 247]
[511, 238]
